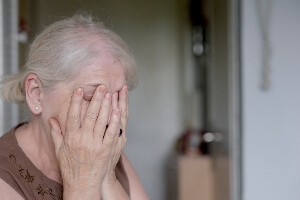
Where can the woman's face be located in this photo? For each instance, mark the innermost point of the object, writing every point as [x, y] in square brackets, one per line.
[105, 71]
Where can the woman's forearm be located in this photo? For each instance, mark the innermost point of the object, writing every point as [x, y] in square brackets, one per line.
[114, 191]
[135, 186]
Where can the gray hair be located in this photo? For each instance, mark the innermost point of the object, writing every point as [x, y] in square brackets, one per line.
[57, 53]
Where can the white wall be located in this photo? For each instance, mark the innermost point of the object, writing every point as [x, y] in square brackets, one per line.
[271, 128]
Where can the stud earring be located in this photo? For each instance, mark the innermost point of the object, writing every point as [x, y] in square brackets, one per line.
[36, 108]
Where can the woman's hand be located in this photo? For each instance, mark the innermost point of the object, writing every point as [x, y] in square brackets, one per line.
[119, 101]
[86, 150]
[111, 187]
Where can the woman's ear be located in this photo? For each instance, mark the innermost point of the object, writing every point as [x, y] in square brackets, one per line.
[33, 91]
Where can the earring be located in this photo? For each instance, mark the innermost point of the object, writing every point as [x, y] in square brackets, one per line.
[36, 108]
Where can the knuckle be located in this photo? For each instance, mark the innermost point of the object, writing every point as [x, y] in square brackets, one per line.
[72, 118]
[109, 137]
[101, 123]
[92, 115]
[115, 120]
[110, 134]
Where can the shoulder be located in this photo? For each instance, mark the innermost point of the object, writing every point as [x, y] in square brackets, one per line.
[9, 168]
[8, 149]
[7, 192]
[7, 140]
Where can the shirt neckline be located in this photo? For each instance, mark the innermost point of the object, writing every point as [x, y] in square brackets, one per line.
[15, 141]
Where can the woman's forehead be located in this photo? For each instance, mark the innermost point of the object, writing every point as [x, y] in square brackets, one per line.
[113, 77]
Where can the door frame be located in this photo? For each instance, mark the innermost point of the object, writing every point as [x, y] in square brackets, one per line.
[235, 93]
[9, 58]
[225, 110]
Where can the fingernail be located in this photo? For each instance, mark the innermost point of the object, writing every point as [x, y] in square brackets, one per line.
[78, 91]
[107, 95]
[102, 89]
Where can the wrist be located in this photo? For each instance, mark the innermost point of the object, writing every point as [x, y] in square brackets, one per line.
[113, 190]
[83, 193]
[109, 179]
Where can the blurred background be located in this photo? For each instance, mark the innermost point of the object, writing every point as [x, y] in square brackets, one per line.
[215, 115]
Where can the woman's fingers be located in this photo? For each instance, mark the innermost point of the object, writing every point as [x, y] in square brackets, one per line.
[56, 134]
[92, 112]
[114, 103]
[117, 144]
[115, 97]
[112, 133]
[123, 105]
[98, 113]
[102, 120]
[73, 116]
[84, 155]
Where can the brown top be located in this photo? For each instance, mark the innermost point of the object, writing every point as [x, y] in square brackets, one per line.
[22, 175]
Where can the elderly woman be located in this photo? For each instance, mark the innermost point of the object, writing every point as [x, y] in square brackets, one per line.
[75, 83]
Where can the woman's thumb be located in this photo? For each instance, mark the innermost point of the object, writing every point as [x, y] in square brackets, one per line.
[55, 133]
